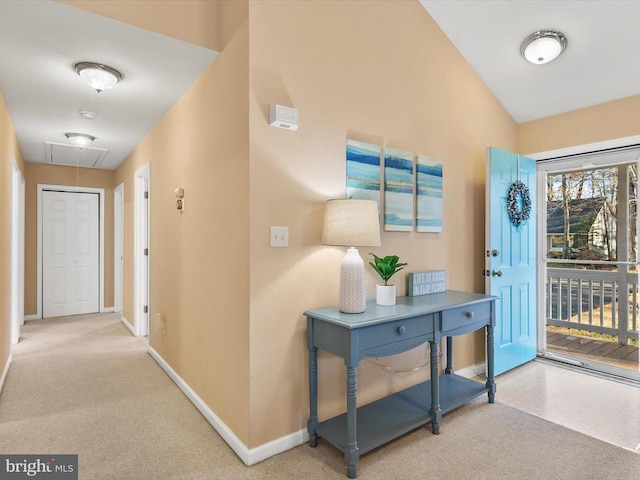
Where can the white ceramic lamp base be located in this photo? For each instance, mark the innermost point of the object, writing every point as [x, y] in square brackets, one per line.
[352, 297]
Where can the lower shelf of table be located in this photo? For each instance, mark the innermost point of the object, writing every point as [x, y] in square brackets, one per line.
[383, 420]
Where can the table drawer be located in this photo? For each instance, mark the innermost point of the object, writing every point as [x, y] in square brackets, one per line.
[465, 319]
[396, 331]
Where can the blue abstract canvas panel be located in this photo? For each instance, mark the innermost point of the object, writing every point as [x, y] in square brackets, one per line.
[363, 171]
[429, 194]
[398, 190]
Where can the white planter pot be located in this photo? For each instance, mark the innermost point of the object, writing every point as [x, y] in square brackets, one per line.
[385, 294]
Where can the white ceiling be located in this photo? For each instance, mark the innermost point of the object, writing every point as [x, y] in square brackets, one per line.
[601, 62]
[40, 41]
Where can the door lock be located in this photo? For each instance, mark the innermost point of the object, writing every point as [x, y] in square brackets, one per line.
[496, 273]
[494, 252]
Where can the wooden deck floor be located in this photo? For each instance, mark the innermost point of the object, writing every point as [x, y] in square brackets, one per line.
[611, 353]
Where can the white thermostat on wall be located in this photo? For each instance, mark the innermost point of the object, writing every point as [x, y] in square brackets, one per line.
[283, 117]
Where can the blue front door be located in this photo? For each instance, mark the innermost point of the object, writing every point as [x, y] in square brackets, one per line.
[511, 257]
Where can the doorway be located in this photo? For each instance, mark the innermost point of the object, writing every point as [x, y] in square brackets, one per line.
[588, 237]
[141, 252]
[118, 247]
[17, 251]
[70, 224]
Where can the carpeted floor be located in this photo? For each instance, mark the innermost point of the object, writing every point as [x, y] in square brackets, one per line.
[84, 385]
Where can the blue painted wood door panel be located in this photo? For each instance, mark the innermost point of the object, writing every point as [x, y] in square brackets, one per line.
[511, 260]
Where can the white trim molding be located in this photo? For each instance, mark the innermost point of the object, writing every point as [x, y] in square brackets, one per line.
[473, 370]
[250, 456]
[5, 372]
[128, 325]
[141, 221]
[587, 148]
[31, 317]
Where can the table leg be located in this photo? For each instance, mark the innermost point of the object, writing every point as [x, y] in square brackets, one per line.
[491, 383]
[436, 413]
[449, 368]
[352, 452]
[312, 423]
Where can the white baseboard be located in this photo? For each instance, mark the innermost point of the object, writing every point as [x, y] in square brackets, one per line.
[31, 317]
[472, 370]
[128, 325]
[5, 372]
[108, 310]
[277, 446]
[247, 455]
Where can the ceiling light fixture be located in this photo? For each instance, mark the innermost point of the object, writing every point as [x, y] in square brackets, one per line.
[80, 139]
[100, 77]
[87, 115]
[543, 46]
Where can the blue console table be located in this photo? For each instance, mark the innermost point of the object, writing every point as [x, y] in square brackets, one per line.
[387, 330]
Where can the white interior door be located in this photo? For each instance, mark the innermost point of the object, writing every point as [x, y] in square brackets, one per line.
[70, 253]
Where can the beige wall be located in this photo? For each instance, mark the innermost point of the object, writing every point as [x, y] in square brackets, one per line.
[9, 149]
[38, 173]
[200, 258]
[607, 121]
[194, 21]
[381, 72]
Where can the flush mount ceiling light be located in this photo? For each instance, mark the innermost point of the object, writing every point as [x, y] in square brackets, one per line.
[80, 139]
[543, 46]
[100, 77]
[87, 115]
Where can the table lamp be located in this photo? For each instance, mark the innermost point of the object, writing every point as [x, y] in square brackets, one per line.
[351, 223]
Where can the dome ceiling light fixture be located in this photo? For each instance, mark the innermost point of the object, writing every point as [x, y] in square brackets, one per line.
[543, 46]
[87, 115]
[79, 139]
[100, 77]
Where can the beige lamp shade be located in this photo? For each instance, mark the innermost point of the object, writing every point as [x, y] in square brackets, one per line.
[351, 223]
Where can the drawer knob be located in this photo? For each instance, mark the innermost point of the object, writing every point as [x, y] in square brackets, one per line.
[400, 329]
[469, 314]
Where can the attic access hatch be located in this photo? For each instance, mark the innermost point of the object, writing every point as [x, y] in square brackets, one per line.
[71, 156]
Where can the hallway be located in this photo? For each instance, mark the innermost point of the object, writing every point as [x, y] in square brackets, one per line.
[83, 385]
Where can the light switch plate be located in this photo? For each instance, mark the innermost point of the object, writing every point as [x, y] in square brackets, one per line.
[279, 237]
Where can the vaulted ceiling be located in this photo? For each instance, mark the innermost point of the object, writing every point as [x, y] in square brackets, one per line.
[601, 62]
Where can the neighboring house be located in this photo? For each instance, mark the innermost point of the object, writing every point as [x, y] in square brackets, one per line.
[592, 228]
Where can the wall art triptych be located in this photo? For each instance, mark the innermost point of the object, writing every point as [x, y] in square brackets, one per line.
[404, 173]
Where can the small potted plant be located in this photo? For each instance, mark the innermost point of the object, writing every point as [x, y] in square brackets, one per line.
[386, 267]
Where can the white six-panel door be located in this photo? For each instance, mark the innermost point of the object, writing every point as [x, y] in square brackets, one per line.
[70, 253]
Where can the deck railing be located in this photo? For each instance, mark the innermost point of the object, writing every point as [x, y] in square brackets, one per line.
[594, 301]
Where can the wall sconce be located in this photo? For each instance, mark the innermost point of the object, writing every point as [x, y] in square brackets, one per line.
[180, 199]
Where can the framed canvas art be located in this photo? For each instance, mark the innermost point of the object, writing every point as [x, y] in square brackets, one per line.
[398, 190]
[363, 170]
[429, 194]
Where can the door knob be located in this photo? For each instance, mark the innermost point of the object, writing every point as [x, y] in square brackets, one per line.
[496, 273]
